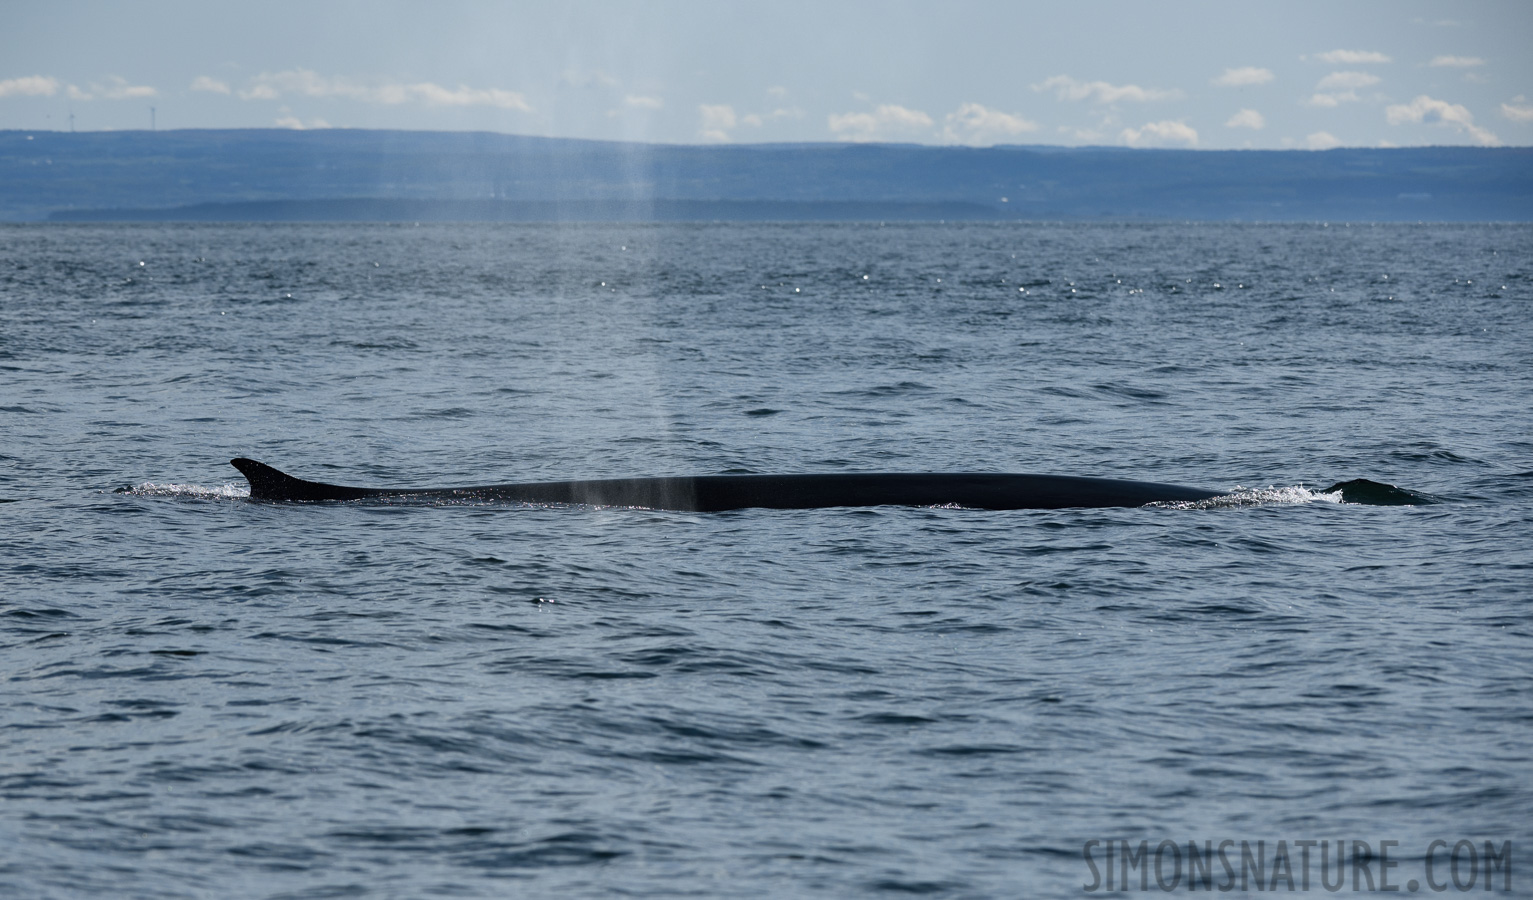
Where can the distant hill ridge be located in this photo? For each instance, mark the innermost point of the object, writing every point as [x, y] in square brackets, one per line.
[358, 175]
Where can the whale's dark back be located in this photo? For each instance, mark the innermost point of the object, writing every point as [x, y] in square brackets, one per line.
[715, 493]
[973, 490]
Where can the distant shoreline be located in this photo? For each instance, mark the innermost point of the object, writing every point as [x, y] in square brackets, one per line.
[263, 175]
[391, 211]
[372, 209]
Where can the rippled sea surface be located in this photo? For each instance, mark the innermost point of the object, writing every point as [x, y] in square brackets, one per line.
[205, 696]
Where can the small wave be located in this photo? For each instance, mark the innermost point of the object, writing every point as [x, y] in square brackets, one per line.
[191, 491]
[1359, 491]
[1267, 496]
[887, 390]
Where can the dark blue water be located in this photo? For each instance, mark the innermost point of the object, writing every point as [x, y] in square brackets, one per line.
[209, 697]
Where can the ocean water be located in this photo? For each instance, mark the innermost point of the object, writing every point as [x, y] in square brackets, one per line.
[205, 696]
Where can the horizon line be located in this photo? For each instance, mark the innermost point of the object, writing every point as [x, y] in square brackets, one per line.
[1116, 148]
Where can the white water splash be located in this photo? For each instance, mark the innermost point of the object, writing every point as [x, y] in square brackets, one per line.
[190, 491]
[1267, 496]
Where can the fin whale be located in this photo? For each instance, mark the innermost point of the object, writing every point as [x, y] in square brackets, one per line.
[716, 493]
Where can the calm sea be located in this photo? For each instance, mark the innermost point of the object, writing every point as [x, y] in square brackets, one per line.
[209, 697]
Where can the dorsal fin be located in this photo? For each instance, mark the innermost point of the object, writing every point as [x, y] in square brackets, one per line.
[267, 483]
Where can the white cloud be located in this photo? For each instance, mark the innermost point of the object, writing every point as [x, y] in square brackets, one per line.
[1067, 88]
[885, 122]
[975, 124]
[595, 79]
[1518, 110]
[1426, 110]
[211, 85]
[272, 85]
[117, 88]
[1352, 57]
[636, 101]
[30, 86]
[120, 89]
[1247, 118]
[1155, 134]
[1243, 76]
[757, 119]
[1332, 100]
[717, 120]
[1347, 81]
[777, 91]
[1341, 87]
[297, 124]
[436, 95]
[1457, 62]
[1321, 140]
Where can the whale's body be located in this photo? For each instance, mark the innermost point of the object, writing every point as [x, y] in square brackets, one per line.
[716, 493]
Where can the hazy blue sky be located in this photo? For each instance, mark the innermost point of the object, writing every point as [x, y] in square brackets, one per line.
[1179, 74]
